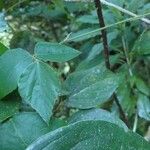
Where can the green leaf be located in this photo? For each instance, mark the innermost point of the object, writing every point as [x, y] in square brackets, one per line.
[126, 98]
[56, 123]
[94, 95]
[142, 87]
[3, 48]
[117, 2]
[144, 9]
[39, 86]
[91, 87]
[143, 106]
[43, 10]
[98, 48]
[96, 114]
[12, 64]
[90, 135]
[87, 63]
[75, 6]
[83, 34]
[142, 45]
[21, 130]
[80, 79]
[88, 33]
[90, 19]
[8, 107]
[109, 16]
[134, 6]
[54, 52]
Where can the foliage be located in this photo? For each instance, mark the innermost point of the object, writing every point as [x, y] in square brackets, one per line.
[55, 91]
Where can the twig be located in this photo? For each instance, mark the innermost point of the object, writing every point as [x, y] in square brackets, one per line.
[106, 53]
[126, 56]
[131, 75]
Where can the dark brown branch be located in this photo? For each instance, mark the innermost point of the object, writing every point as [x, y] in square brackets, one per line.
[104, 33]
[124, 117]
[106, 53]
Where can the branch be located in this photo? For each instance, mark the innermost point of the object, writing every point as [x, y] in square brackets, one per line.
[104, 33]
[106, 53]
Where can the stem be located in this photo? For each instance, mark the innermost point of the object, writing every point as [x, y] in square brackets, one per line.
[106, 53]
[125, 49]
[126, 56]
